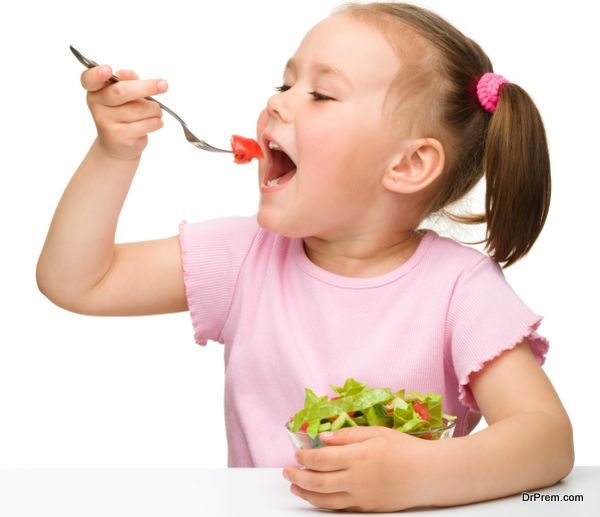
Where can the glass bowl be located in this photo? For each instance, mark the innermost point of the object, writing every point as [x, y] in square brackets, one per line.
[301, 440]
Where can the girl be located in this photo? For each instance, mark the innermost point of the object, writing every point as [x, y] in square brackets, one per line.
[386, 114]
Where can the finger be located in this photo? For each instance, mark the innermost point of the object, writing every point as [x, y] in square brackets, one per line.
[137, 110]
[126, 91]
[94, 79]
[357, 434]
[140, 128]
[336, 501]
[322, 482]
[126, 74]
[326, 458]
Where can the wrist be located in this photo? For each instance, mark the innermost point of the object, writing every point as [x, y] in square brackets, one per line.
[434, 471]
[100, 149]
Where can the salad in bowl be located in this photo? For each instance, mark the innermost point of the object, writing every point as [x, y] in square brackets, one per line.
[356, 404]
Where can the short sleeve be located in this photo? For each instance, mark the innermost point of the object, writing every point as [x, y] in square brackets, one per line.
[212, 255]
[485, 318]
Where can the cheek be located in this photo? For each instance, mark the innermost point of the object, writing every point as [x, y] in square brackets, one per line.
[333, 156]
[325, 151]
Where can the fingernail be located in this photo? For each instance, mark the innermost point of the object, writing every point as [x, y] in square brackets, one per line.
[325, 435]
[103, 71]
[162, 85]
[286, 475]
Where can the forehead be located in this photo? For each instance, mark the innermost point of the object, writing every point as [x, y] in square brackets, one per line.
[355, 48]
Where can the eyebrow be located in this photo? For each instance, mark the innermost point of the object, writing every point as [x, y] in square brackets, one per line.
[321, 69]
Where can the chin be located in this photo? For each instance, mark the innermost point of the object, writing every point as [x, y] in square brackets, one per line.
[269, 221]
[273, 222]
[266, 220]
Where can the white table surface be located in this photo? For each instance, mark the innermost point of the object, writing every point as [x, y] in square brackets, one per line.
[231, 492]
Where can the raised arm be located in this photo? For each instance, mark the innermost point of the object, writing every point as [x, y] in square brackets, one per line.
[80, 267]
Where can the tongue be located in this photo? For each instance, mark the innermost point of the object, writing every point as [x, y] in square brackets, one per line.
[286, 177]
[282, 162]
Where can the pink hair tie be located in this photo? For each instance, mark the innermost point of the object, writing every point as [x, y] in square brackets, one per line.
[488, 88]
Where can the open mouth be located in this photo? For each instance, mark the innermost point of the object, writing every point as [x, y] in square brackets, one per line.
[280, 167]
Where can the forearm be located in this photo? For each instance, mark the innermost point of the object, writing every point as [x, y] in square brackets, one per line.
[79, 246]
[519, 453]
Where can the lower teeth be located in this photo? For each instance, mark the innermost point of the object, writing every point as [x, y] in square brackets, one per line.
[272, 183]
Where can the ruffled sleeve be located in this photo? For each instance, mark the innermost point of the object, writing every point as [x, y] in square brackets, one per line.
[485, 318]
[212, 255]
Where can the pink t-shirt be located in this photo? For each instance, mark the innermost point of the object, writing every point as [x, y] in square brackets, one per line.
[288, 324]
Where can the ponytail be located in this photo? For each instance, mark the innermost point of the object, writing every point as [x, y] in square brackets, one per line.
[516, 164]
[517, 171]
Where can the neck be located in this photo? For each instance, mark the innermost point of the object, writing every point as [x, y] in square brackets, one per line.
[364, 255]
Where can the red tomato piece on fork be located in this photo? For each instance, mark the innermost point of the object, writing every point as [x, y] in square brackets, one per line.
[244, 149]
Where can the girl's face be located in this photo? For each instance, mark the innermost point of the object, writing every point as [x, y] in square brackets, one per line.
[329, 121]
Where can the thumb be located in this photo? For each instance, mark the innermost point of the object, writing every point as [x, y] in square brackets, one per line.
[347, 435]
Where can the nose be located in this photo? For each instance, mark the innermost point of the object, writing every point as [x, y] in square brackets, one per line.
[278, 106]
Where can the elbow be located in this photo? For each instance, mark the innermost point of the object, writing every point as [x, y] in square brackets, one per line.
[564, 448]
[569, 447]
[58, 294]
[42, 281]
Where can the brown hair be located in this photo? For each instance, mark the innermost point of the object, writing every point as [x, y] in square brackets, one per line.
[436, 93]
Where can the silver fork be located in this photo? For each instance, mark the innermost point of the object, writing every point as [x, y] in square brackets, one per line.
[193, 139]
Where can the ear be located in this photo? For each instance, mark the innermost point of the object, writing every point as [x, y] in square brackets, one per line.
[415, 167]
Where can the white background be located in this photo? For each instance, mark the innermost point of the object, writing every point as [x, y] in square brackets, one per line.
[80, 391]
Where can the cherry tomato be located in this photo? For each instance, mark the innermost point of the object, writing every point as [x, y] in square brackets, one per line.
[244, 149]
[421, 409]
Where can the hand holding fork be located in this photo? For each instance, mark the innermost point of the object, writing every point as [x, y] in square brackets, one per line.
[124, 113]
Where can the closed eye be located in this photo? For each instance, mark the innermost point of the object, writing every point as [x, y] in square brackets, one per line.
[317, 96]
